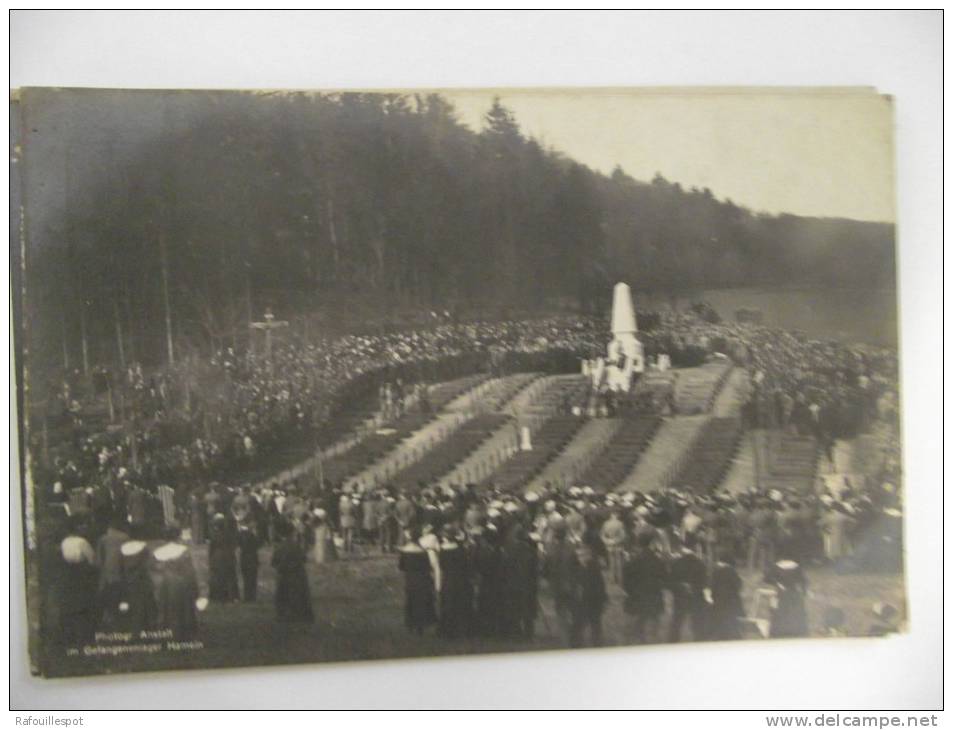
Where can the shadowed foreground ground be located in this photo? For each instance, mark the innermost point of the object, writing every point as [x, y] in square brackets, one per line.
[359, 613]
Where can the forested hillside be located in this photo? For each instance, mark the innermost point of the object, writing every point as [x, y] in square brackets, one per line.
[158, 214]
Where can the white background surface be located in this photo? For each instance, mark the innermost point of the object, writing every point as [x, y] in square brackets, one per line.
[897, 52]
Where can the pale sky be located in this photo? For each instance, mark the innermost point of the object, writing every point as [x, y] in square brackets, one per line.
[809, 152]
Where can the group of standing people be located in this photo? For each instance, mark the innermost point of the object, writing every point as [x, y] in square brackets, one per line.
[483, 578]
[122, 584]
[237, 524]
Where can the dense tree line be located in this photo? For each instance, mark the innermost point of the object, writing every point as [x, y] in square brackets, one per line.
[160, 223]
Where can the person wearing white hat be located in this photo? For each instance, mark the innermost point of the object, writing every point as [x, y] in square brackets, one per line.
[789, 618]
[323, 551]
[137, 602]
[177, 590]
[76, 588]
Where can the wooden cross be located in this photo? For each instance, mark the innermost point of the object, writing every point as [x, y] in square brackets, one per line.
[268, 325]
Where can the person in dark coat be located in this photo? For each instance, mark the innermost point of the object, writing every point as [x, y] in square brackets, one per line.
[419, 600]
[109, 561]
[559, 568]
[644, 578]
[589, 597]
[489, 573]
[137, 604]
[136, 502]
[456, 589]
[259, 519]
[222, 575]
[520, 583]
[198, 519]
[248, 562]
[687, 578]
[727, 607]
[790, 617]
[292, 593]
[77, 588]
[272, 518]
[177, 590]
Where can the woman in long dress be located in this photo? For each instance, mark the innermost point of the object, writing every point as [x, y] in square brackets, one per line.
[222, 563]
[348, 519]
[77, 589]
[456, 590]
[177, 590]
[292, 593]
[137, 606]
[790, 616]
[323, 551]
[836, 525]
[197, 518]
[727, 608]
[419, 596]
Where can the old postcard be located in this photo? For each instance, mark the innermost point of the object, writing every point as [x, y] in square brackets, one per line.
[321, 376]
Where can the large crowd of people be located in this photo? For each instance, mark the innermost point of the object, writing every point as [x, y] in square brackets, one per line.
[120, 512]
[213, 420]
[474, 560]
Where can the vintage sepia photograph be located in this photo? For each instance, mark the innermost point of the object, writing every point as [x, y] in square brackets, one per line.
[319, 376]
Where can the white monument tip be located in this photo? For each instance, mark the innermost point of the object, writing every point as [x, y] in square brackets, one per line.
[623, 313]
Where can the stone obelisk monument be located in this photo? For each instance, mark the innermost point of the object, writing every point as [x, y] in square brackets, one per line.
[625, 354]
